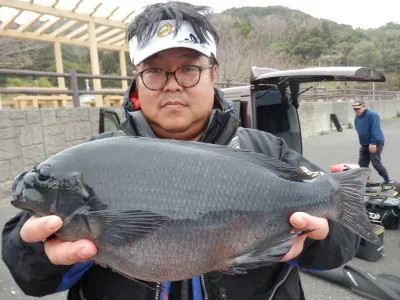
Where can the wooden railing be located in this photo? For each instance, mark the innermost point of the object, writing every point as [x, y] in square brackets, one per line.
[322, 93]
[36, 97]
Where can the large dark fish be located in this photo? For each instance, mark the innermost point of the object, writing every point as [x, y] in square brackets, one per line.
[164, 210]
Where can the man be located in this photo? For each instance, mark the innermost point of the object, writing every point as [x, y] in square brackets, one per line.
[371, 138]
[173, 46]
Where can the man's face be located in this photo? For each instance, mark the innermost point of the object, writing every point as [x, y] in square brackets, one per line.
[359, 111]
[174, 111]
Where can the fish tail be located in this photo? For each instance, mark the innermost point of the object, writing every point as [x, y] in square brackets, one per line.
[350, 204]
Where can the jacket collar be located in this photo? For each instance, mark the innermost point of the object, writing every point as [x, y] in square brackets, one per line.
[364, 112]
[137, 125]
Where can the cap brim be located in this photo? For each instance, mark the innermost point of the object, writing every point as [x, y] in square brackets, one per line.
[160, 48]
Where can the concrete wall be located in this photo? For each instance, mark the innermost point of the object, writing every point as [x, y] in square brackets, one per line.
[29, 136]
[315, 116]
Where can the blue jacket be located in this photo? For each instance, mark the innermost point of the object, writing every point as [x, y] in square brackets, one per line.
[368, 127]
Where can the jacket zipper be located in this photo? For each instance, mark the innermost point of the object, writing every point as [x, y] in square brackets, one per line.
[157, 291]
[280, 283]
[203, 285]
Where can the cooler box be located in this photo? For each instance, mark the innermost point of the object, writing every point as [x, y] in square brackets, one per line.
[384, 211]
[369, 251]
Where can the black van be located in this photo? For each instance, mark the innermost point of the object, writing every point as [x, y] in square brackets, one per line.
[271, 100]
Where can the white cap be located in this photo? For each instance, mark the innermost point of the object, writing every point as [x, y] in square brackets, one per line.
[164, 38]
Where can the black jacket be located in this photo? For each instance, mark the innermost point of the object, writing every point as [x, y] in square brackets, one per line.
[36, 276]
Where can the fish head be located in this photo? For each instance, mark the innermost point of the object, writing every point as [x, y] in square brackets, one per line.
[44, 191]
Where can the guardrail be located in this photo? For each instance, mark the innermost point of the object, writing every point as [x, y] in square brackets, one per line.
[73, 91]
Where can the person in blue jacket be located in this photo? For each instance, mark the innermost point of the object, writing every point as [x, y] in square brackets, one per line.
[372, 140]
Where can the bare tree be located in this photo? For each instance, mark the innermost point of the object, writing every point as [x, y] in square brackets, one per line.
[237, 54]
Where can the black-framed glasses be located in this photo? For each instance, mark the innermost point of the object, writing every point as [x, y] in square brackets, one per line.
[156, 79]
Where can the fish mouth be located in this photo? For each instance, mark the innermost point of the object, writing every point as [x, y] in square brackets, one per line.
[17, 190]
[19, 202]
[20, 198]
[17, 199]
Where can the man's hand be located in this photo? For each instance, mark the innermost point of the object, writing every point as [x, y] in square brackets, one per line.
[372, 148]
[302, 221]
[59, 252]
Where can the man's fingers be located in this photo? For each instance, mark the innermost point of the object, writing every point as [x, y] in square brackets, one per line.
[69, 253]
[37, 229]
[303, 221]
[296, 249]
[59, 253]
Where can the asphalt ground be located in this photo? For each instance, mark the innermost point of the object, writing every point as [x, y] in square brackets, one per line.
[324, 150]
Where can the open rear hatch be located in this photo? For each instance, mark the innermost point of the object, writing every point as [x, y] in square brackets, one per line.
[275, 96]
[292, 78]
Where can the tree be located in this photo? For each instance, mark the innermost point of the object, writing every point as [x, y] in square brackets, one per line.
[310, 48]
[326, 33]
[365, 53]
[391, 63]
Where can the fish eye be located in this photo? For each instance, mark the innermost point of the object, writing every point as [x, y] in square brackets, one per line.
[44, 173]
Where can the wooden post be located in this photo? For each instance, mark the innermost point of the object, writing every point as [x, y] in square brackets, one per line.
[22, 104]
[94, 61]
[35, 102]
[122, 63]
[59, 68]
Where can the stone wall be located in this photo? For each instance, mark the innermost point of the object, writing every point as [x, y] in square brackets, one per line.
[29, 136]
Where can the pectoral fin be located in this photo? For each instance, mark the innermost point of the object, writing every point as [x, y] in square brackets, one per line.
[118, 226]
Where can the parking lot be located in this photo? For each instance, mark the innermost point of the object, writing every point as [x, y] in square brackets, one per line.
[324, 150]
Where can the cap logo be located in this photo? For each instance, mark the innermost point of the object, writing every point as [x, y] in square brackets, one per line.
[165, 30]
